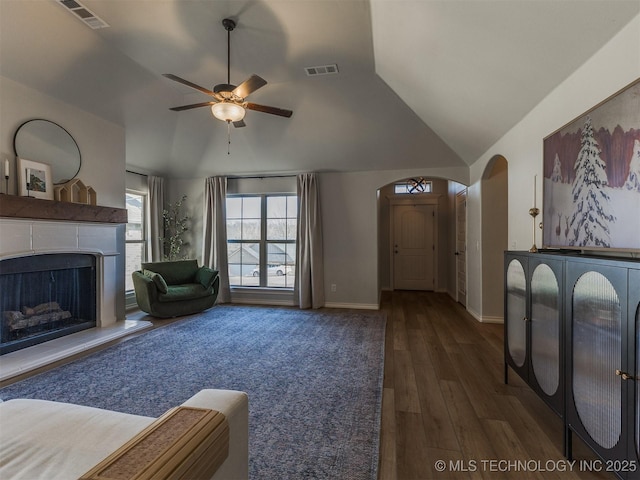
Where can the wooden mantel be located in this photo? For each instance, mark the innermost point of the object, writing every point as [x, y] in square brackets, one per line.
[12, 206]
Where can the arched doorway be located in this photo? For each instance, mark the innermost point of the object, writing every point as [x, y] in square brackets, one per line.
[441, 201]
[494, 200]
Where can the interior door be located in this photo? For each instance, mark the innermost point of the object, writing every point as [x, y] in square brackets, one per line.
[414, 247]
[461, 246]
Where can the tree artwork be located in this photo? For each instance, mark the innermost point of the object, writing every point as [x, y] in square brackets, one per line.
[556, 175]
[592, 217]
[591, 178]
[633, 180]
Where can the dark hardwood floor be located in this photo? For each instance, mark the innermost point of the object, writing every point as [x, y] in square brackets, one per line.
[445, 400]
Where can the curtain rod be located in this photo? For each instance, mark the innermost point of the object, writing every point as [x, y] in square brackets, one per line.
[234, 177]
[137, 173]
[239, 177]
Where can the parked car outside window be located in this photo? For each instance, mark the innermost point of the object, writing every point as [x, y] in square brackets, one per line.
[272, 269]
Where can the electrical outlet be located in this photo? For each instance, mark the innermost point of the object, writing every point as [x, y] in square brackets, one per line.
[333, 287]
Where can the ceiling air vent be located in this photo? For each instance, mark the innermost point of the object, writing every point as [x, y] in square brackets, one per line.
[321, 70]
[84, 14]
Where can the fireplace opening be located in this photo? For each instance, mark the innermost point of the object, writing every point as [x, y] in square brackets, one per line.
[43, 297]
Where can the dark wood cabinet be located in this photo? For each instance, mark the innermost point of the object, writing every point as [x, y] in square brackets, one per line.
[572, 332]
[533, 324]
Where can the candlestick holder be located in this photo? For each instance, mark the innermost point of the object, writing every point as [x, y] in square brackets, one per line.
[6, 184]
[534, 213]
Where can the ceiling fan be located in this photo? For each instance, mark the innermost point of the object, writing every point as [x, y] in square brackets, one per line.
[228, 102]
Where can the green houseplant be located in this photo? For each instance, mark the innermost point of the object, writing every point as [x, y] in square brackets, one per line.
[175, 225]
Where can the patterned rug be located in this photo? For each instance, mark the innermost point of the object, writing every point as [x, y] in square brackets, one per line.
[314, 380]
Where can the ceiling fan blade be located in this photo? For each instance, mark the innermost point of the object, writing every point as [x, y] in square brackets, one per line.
[193, 105]
[175, 78]
[239, 124]
[272, 110]
[251, 84]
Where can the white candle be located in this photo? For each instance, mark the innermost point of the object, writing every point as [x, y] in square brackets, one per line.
[6, 167]
[535, 177]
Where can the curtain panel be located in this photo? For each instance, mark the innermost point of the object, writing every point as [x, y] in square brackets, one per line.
[214, 238]
[156, 222]
[309, 284]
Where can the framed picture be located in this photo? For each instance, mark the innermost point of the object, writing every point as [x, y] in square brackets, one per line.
[34, 179]
[592, 178]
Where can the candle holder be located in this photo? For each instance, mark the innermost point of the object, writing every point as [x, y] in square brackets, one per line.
[6, 184]
[534, 212]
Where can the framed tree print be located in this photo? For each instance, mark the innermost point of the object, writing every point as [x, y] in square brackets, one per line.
[592, 178]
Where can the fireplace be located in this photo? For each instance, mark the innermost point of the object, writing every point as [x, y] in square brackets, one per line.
[46, 296]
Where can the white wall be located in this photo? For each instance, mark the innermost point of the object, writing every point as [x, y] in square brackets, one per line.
[613, 67]
[101, 143]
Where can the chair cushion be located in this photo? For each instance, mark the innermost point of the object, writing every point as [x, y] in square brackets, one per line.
[205, 277]
[187, 291]
[161, 285]
[174, 272]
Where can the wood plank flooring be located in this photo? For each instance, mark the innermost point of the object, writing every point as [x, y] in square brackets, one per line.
[445, 400]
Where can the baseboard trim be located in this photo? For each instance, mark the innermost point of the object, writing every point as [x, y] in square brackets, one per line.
[489, 319]
[486, 318]
[274, 302]
[357, 306]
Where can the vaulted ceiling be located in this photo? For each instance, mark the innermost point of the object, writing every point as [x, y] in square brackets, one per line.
[421, 84]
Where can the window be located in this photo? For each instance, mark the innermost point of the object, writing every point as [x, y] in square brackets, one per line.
[415, 185]
[136, 235]
[261, 240]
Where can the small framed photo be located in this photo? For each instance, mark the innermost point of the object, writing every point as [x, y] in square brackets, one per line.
[34, 179]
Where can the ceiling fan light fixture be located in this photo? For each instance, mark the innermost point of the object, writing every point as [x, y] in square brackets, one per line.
[228, 111]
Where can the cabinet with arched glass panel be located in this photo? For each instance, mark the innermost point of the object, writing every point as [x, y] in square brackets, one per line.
[603, 298]
[572, 332]
[533, 324]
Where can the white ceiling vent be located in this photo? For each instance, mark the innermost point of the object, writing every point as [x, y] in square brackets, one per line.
[322, 70]
[83, 13]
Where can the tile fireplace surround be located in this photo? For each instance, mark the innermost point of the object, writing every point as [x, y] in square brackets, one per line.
[20, 236]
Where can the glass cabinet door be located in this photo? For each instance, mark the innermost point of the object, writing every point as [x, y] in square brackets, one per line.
[545, 328]
[516, 312]
[634, 362]
[637, 405]
[596, 354]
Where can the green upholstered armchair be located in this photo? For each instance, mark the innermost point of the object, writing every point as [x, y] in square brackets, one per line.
[172, 289]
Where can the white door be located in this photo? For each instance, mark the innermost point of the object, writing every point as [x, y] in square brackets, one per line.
[413, 247]
[461, 246]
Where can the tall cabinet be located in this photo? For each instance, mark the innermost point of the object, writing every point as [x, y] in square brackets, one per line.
[533, 324]
[572, 332]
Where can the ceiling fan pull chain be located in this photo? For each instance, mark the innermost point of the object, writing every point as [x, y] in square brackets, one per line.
[228, 137]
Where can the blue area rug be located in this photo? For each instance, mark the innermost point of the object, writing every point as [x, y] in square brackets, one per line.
[314, 380]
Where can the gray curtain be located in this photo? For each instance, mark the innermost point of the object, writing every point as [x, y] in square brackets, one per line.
[309, 285]
[214, 238]
[156, 222]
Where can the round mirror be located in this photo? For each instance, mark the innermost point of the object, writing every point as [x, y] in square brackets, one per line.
[47, 142]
